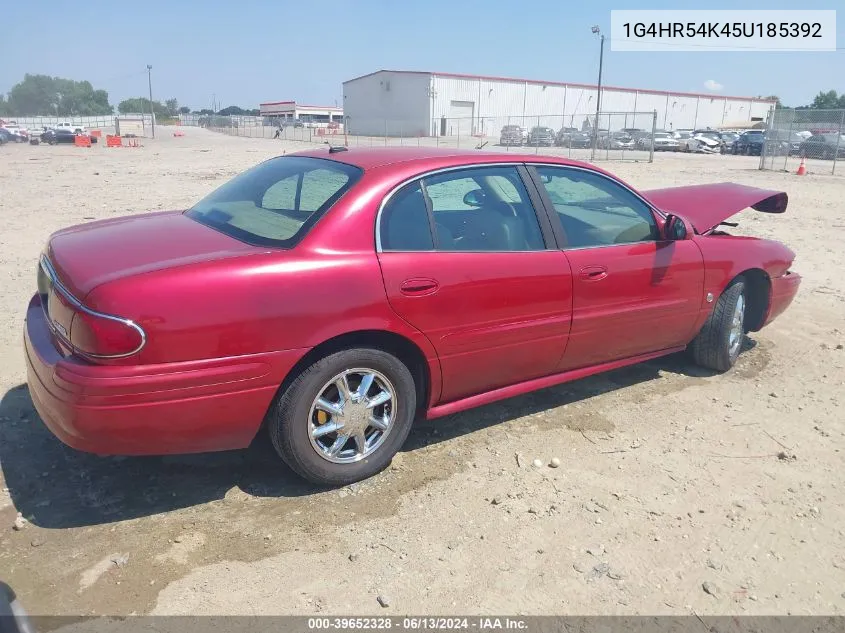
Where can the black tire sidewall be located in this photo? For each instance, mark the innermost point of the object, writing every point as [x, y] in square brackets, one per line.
[289, 429]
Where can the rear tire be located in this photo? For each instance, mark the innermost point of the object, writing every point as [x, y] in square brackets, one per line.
[297, 416]
[719, 342]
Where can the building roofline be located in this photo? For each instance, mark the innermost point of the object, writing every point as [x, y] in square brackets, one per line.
[664, 93]
[299, 105]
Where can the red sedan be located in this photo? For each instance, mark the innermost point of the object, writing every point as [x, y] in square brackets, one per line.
[335, 295]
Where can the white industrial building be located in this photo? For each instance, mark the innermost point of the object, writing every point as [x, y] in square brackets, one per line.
[298, 111]
[409, 103]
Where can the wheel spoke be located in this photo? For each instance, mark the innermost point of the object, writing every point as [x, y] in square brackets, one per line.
[325, 429]
[381, 423]
[361, 442]
[339, 443]
[364, 387]
[379, 398]
[342, 384]
[335, 408]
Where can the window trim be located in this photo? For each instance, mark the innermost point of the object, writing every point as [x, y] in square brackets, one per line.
[560, 236]
[550, 240]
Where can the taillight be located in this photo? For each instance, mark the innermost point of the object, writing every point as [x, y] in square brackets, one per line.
[103, 336]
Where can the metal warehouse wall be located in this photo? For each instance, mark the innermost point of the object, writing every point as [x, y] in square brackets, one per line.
[411, 104]
[388, 104]
[558, 105]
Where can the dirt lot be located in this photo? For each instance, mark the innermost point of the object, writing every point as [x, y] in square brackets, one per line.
[670, 476]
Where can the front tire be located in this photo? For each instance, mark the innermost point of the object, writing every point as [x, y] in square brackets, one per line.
[345, 416]
[718, 343]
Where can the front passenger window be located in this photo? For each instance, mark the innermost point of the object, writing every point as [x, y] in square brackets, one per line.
[594, 210]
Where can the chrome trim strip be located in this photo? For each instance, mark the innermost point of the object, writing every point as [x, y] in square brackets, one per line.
[48, 269]
[525, 163]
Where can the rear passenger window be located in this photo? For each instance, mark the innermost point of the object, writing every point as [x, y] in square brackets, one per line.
[404, 222]
[468, 210]
[483, 209]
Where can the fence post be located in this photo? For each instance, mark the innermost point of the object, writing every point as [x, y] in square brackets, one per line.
[789, 141]
[838, 141]
[653, 131]
[764, 149]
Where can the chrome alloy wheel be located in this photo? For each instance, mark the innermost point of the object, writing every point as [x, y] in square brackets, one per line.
[352, 415]
[736, 332]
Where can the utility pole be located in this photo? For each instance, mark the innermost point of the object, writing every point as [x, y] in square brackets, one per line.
[597, 31]
[150, 84]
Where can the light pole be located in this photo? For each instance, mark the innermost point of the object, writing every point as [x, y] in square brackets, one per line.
[150, 84]
[597, 31]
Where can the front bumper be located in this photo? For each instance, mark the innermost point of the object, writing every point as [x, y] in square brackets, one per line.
[783, 291]
[186, 407]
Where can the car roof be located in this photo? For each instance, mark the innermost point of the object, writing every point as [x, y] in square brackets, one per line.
[429, 157]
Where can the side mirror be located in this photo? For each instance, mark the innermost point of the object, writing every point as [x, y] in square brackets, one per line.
[674, 228]
[474, 198]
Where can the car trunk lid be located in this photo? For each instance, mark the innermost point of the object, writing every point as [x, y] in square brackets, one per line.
[88, 255]
[705, 206]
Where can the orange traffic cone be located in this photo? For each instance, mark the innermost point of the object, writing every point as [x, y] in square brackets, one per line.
[802, 169]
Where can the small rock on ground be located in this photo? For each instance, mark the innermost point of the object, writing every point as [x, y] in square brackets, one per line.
[120, 560]
[555, 462]
[383, 600]
[710, 588]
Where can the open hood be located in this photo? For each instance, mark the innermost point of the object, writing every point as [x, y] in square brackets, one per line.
[704, 206]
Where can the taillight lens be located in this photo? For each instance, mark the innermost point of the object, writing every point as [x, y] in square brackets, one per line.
[101, 336]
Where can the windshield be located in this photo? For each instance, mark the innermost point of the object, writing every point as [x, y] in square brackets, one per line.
[276, 202]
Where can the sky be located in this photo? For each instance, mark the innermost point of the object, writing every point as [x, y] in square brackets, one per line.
[247, 52]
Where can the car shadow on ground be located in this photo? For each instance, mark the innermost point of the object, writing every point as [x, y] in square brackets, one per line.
[58, 487]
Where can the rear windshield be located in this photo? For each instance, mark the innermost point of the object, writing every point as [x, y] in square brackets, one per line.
[277, 202]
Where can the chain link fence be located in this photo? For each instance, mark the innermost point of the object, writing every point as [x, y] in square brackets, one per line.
[618, 135]
[816, 137]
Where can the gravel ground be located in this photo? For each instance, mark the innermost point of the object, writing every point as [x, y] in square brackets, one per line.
[677, 490]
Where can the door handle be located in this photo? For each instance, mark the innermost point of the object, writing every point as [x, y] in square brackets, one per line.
[593, 273]
[419, 287]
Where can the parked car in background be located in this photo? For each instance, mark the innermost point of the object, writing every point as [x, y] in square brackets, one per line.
[511, 135]
[616, 140]
[749, 143]
[680, 136]
[782, 143]
[5, 136]
[541, 136]
[60, 135]
[457, 278]
[75, 128]
[572, 137]
[16, 133]
[728, 139]
[701, 143]
[823, 146]
[663, 142]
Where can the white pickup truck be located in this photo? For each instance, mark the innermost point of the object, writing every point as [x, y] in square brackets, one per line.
[76, 128]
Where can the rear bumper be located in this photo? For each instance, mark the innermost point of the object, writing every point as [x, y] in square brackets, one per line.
[185, 407]
[784, 289]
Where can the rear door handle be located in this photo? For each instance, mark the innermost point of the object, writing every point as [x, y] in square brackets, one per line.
[419, 287]
[593, 273]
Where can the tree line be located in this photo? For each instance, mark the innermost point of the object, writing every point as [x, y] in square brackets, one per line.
[42, 95]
